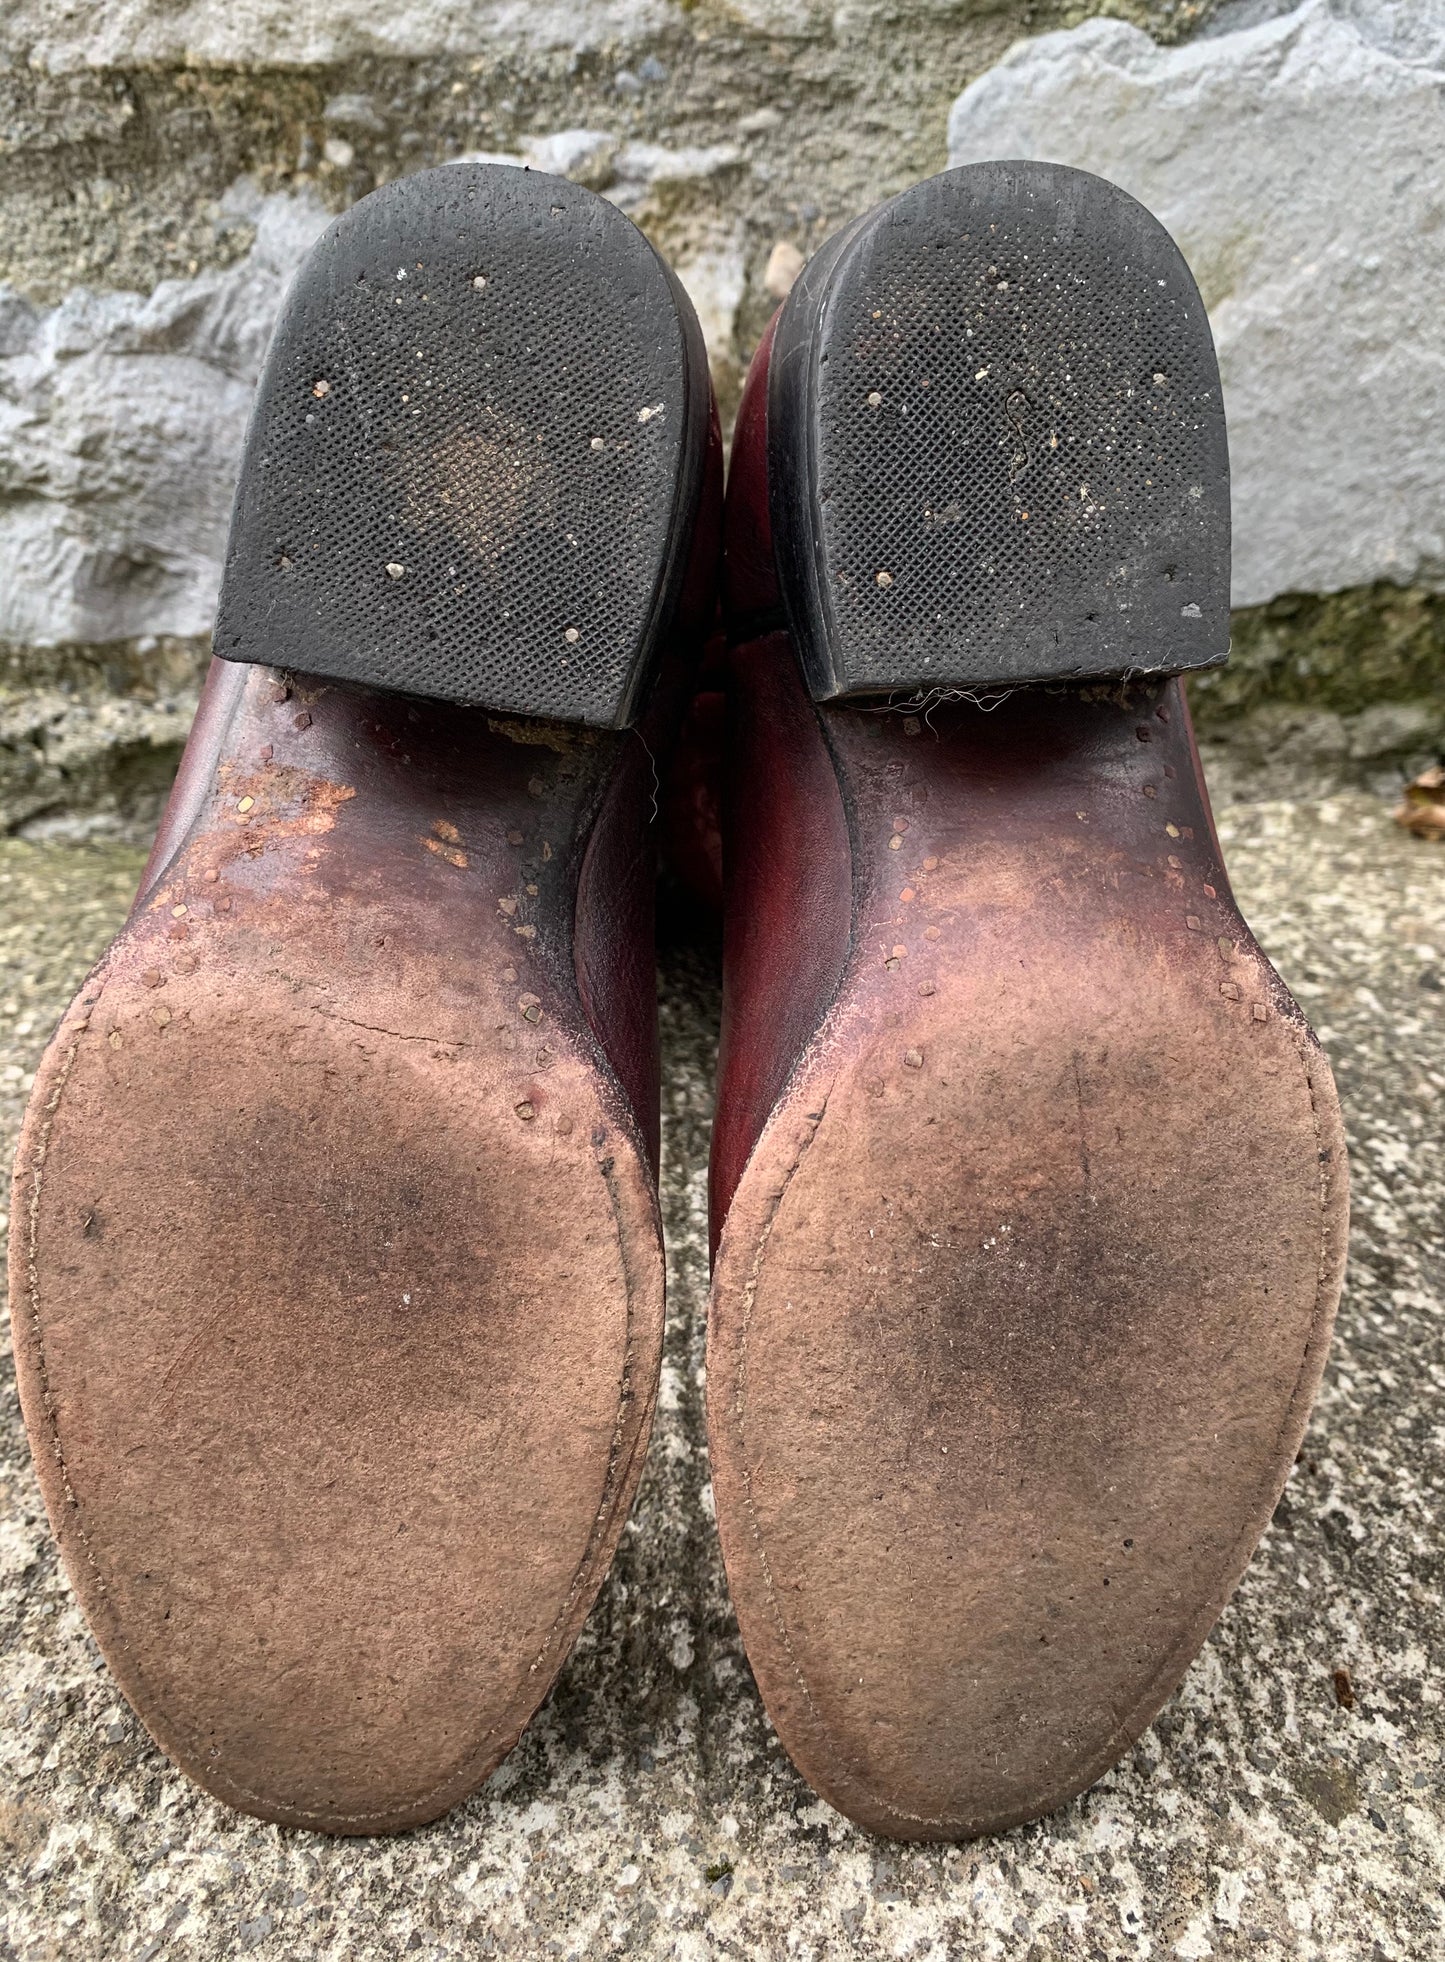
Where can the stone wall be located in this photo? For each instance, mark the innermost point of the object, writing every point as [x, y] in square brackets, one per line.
[1297, 153]
[163, 167]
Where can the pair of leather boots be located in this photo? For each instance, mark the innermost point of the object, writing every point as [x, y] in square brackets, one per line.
[336, 1259]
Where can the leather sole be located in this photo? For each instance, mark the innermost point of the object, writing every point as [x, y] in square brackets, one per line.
[1025, 1290]
[337, 1279]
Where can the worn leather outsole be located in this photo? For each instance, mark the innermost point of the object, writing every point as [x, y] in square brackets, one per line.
[336, 1271]
[1025, 1290]
[337, 1279]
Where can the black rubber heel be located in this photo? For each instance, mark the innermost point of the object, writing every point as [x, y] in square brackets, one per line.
[476, 452]
[997, 450]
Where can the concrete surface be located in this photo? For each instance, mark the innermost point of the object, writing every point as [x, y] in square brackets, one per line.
[1276, 1809]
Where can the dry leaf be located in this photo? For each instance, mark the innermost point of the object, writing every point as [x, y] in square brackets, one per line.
[1423, 808]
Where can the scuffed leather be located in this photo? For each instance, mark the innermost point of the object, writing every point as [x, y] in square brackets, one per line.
[220, 697]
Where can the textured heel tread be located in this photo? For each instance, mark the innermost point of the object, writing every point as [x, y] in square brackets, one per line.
[997, 443]
[475, 454]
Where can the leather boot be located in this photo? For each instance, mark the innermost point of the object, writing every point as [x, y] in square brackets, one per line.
[1028, 1173]
[337, 1275]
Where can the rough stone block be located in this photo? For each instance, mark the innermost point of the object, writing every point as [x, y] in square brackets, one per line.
[68, 34]
[121, 418]
[1300, 162]
[122, 414]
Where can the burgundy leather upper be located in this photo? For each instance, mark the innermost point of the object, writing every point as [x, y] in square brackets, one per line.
[613, 927]
[750, 578]
[225, 682]
[786, 855]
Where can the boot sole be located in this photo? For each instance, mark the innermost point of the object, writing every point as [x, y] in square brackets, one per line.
[1026, 1288]
[337, 1276]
